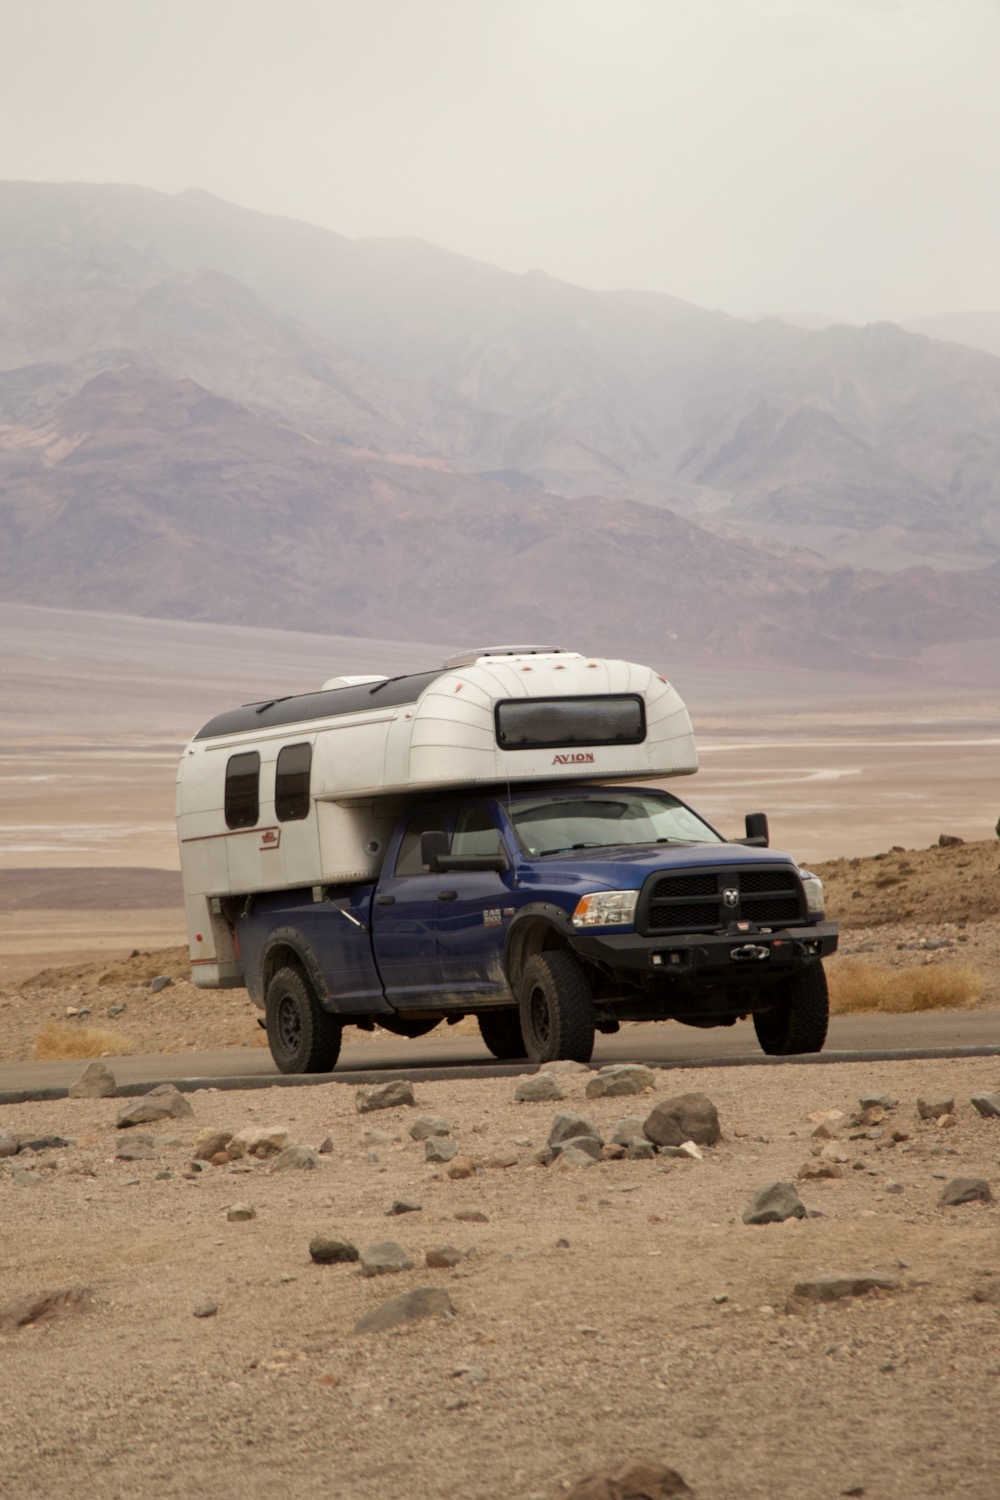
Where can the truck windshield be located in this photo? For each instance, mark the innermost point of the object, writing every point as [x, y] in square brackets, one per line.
[558, 824]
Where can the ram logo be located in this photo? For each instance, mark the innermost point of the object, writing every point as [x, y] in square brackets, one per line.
[581, 758]
[731, 897]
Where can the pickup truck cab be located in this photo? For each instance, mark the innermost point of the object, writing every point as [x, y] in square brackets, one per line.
[489, 838]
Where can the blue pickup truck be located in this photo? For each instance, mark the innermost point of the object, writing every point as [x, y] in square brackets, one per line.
[549, 913]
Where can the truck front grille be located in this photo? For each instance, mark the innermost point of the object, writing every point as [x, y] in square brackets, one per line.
[695, 901]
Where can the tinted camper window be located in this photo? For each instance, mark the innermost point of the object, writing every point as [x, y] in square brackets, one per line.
[291, 783]
[242, 790]
[554, 723]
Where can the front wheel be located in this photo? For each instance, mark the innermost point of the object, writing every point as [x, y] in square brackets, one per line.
[798, 1022]
[501, 1031]
[557, 1008]
[302, 1036]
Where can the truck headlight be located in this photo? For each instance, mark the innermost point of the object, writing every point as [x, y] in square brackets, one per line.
[813, 887]
[606, 909]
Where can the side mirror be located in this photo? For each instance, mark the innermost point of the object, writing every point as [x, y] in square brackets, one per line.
[433, 844]
[757, 832]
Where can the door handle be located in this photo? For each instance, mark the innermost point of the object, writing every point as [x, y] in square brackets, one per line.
[385, 900]
[447, 895]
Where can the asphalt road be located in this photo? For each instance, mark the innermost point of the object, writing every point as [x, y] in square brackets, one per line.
[665, 1045]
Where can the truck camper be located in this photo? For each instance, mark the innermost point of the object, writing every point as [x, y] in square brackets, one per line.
[482, 839]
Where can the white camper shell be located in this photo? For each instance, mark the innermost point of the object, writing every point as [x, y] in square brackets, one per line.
[305, 791]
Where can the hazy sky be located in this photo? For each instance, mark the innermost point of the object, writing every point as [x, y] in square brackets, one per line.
[836, 156]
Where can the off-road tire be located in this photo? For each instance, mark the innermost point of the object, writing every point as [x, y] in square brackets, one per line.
[799, 1019]
[501, 1031]
[557, 1008]
[302, 1036]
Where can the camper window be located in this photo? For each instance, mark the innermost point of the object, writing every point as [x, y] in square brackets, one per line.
[291, 783]
[243, 790]
[551, 723]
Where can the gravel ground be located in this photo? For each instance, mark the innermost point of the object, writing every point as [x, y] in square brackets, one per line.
[601, 1312]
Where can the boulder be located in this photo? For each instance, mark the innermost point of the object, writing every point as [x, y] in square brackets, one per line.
[95, 1082]
[688, 1117]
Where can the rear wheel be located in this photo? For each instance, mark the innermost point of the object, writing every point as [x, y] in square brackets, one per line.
[501, 1031]
[557, 1008]
[303, 1037]
[798, 1021]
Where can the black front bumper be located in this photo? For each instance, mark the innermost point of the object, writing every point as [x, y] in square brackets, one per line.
[752, 956]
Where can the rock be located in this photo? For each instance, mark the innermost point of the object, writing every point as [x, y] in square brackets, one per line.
[966, 1190]
[461, 1167]
[833, 1152]
[686, 1148]
[541, 1088]
[411, 1307]
[443, 1256]
[51, 1143]
[949, 841]
[472, 1216]
[165, 1102]
[95, 1082]
[329, 1252]
[688, 1117]
[566, 1065]
[9, 1142]
[384, 1259]
[325, 1147]
[628, 1129]
[208, 1143]
[503, 1161]
[296, 1159]
[614, 1151]
[571, 1127]
[403, 1206]
[815, 1170]
[385, 1096]
[161, 982]
[25, 1177]
[426, 1126]
[620, 1078]
[573, 1156]
[206, 1309]
[988, 1105]
[114, 1011]
[987, 1291]
[933, 1109]
[437, 1149]
[135, 1151]
[640, 1150]
[877, 1101]
[589, 1145]
[633, 1480]
[825, 1132]
[835, 1287]
[43, 1307]
[773, 1203]
[240, 1213]
[257, 1140]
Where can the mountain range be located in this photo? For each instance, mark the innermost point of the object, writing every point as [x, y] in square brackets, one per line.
[210, 413]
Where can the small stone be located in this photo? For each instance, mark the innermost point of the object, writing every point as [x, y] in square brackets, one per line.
[438, 1149]
[411, 1307]
[588, 1144]
[640, 1150]
[628, 1129]
[403, 1206]
[819, 1170]
[325, 1147]
[442, 1257]
[135, 1151]
[258, 1140]
[385, 1096]
[933, 1109]
[330, 1252]
[161, 982]
[384, 1259]
[836, 1287]
[461, 1167]
[570, 1127]
[620, 1078]
[833, 1152]
[44, 1307]
[427, 1126]
[633, 1480]
[296, 1159]
[95, 1082]
[165, 1102]
[9, 1142]
[688, 1117]
[220, 1159]
[825, 1132]
[612, 1151]
[208, 1143]
[877, 1101]
[25, 1177]
[949, 841]
[206, 1309]
[988, 1105]
[471, 1216]
[573, 1156]
[773, 1204]
[566, 1065]
[114, 1011]
[988, 1291]
[503, 1161]
[873, 1115]
[240, 1213]
[966, 1190]
[541, 1088]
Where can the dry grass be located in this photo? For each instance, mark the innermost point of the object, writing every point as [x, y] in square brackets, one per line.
[857, 986]
[58, 1040]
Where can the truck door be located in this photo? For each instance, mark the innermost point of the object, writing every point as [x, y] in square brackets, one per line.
[405, 914]
[471, 923]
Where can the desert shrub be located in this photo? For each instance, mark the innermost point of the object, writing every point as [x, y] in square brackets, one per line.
[61, 1040]
[857, 986]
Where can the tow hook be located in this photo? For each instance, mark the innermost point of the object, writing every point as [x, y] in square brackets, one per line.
[749, 951]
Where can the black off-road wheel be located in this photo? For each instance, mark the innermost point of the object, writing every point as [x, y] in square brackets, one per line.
[557, 1008]
[302, 1036]
[797, 1022]
[501, 1031]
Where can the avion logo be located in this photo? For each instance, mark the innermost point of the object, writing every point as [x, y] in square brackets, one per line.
[580, 758]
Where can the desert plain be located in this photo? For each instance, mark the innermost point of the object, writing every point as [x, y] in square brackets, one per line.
[600, 1312]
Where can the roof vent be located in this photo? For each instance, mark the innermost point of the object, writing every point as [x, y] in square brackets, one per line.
[339, 682]
[466, 658]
